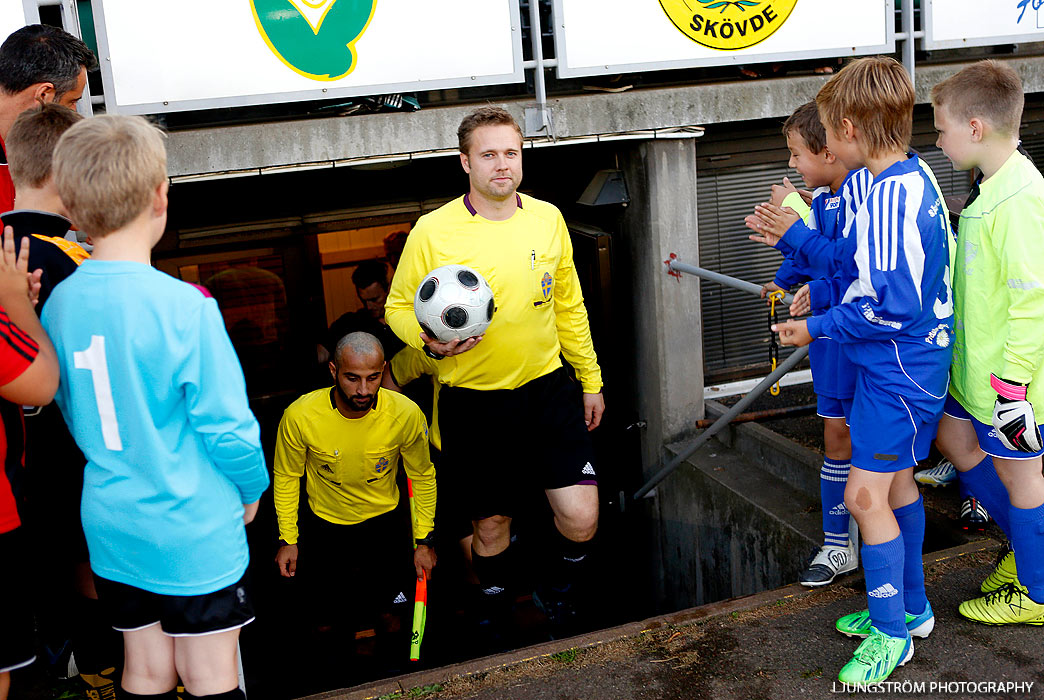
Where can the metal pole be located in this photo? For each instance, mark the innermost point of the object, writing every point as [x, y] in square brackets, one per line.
[710, 432]
[908, 42]
[537, 121]
[767, 414]
[742, 285]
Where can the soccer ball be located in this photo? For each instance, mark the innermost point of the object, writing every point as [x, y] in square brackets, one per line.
[453, 302]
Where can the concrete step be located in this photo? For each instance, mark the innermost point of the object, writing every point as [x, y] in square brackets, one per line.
[798, 466]
[787, 460]
[731, 528]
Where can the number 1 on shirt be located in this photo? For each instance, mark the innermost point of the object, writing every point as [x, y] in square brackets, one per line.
[93, 359]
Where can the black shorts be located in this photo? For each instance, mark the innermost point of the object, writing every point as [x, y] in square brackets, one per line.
[352, 572]
[499, 445]
[129, 609]
[54, 484]
[17, 647]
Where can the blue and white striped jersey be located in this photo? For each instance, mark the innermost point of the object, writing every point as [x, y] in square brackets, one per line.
[814, 251]
[895, 312]
[822, 252]
[154, 395]
[822, 218]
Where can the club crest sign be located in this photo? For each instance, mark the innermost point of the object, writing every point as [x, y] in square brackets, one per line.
[728, 25]
[315, 38]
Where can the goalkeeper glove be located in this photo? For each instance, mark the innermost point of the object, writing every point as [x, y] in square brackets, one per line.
[1013, 417]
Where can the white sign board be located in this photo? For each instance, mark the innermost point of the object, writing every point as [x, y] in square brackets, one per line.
[200, 54]
[12, 18]
[956, 23]
[596, 37]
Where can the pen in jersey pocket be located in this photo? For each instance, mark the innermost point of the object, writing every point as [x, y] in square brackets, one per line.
[532, 261]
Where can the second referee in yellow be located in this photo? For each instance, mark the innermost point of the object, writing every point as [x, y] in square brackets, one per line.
[354, 544]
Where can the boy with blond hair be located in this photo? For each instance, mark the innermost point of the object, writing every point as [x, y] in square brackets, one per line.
[155, 398]
[832, 373]
[890, 307]
[990, 431]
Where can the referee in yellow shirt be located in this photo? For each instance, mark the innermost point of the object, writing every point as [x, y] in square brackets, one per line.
[509, 414]
[348, 441]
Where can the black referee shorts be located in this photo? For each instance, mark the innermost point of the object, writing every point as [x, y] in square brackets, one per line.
[498, 444]
[353, 572]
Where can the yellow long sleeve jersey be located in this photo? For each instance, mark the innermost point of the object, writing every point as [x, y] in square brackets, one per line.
[528, 262]
[409, 364]
[350, 464]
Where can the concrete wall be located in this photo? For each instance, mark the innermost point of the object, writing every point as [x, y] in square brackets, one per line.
[668, 357]
[324, 140]
[727, 529]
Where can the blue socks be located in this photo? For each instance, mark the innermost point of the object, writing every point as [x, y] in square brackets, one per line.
[1027, 539]
[911, 527]
[883, 568]
[832, 479]
[984, 484]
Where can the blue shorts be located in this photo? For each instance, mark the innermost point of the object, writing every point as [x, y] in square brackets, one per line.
[890, 433]
[988, 440]
[829, 407]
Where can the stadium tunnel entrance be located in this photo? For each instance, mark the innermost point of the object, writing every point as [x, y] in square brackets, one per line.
[278, 250]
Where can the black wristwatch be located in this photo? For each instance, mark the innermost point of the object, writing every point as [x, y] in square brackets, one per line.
[432, 354]
[428, 541]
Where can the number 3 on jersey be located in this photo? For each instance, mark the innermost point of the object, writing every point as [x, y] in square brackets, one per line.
[93, 359]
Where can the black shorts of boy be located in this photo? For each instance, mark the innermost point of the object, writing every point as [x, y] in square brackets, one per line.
[54, 475]
[17, 647]
[129, 609]
[352, 573]
[498, 445]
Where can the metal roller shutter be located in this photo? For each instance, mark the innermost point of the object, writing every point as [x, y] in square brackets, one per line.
[735, 324]
[951, 182]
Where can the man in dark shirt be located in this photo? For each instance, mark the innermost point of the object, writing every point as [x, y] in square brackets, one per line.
[371, 284]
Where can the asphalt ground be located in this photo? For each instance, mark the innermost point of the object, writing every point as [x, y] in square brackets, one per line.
[777, 644]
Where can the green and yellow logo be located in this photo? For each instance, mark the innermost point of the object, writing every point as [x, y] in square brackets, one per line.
[728, 25]
[315, 38]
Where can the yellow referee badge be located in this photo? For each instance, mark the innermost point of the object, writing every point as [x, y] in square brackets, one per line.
[728, 25]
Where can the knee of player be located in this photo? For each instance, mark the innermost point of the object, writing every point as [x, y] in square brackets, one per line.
[490, 530]
[859, 499]
[579, 523]
[836, 438]
[155, 671]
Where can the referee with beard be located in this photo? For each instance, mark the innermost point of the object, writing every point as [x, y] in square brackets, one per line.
[353, 545]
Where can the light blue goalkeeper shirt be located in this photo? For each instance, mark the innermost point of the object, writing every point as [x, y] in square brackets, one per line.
[154, 395]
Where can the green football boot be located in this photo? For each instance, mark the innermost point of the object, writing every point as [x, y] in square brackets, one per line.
[876, 657]
[859, 624]
[1008, 605]
[1004, 572]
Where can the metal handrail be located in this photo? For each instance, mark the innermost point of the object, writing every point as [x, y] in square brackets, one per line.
[674, 266]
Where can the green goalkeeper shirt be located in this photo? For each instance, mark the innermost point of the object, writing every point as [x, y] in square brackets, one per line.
[998, 289]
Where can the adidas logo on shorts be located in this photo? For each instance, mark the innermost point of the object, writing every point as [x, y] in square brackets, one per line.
[588, 469]
[401, 598]
[885, 591]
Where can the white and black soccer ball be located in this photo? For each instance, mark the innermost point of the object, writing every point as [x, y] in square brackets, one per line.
[454, 302]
